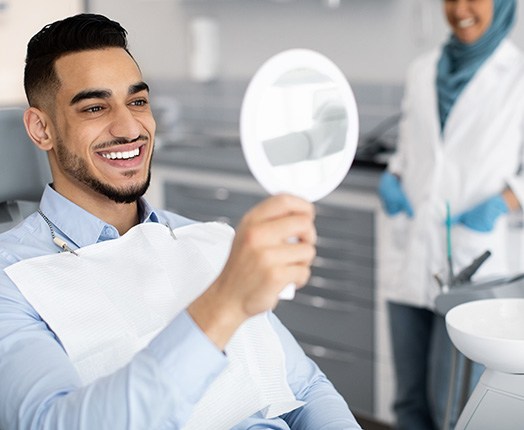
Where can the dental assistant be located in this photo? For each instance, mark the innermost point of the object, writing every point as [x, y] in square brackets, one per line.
[460, 142]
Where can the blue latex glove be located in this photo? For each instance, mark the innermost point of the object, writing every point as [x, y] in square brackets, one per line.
[483, 216]
[392, 195]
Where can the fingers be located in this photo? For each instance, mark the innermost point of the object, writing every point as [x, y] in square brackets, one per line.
[274, 246]
[393, 197]
[407, 207]
[278, 219]
[296, 228]
[279, 206]
[295, 263]
[278, 232]
[290, 254]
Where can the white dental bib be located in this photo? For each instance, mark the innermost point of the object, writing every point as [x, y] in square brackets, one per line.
[108, 302]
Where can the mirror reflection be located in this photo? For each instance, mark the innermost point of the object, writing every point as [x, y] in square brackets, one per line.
[302, 117]
[299, 124]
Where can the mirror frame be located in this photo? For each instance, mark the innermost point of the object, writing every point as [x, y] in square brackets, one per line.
[269, 73]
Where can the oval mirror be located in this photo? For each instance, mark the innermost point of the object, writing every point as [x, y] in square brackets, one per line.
[299, 124]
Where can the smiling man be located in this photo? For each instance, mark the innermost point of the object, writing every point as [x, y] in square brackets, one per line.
[97, 128]
[135, 325]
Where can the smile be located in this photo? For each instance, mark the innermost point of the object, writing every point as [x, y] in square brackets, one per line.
[125, 155]
[464, 23]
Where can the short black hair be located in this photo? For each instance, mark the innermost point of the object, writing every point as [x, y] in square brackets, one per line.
[80, 32]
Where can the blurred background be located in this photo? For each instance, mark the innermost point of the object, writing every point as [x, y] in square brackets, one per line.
[198, 57]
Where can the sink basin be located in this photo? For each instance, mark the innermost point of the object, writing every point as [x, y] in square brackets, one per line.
[490, 332]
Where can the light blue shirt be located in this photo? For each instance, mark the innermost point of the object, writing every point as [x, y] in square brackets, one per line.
[39, 386]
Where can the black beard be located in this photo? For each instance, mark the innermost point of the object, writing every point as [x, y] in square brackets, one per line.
[130, 195]
[76, 167]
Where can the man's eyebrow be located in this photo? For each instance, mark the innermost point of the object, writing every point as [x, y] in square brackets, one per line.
[90, 94]
[105, 94]
[136, 88]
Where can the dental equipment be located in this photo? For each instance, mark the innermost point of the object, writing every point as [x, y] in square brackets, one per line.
[448, 243]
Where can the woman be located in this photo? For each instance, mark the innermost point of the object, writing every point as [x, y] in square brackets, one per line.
[460, 152]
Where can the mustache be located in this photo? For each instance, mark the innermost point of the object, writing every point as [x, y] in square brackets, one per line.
[120, 141]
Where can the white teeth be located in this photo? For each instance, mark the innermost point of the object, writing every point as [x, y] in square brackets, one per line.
[468, 22]
[121, 155]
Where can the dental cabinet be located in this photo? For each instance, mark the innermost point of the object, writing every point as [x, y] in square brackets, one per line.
[335, 316]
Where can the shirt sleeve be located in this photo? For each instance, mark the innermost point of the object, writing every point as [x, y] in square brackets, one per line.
[41, 389]
[325, 408]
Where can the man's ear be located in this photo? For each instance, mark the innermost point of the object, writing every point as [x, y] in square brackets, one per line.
[37, 126]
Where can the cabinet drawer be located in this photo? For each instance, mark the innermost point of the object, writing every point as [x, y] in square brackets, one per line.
[357, 288]
[342, 268]
[208, 203]
[335, 221]
[337, 322]
[348, 276]
[351, 374]
[346, 248]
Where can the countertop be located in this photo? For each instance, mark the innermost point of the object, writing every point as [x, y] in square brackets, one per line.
[190, 114]
[226, 156]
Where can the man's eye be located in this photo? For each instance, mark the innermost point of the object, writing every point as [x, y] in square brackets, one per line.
[93, 109]
[140, 102]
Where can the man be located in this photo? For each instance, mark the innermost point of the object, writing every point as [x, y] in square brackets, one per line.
[89, 110]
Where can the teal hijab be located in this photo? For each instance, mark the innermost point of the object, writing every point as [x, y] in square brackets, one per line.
[460, 61]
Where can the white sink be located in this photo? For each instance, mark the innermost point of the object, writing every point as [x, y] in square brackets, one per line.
[490, 332]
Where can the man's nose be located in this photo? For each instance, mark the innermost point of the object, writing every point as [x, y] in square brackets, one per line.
[125, 124]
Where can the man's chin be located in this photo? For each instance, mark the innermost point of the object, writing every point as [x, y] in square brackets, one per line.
[127, 196]
[122, 195]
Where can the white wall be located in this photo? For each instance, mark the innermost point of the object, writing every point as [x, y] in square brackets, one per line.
[371, 40]
[19, 20]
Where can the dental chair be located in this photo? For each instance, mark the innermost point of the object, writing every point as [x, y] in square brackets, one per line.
[24, 170]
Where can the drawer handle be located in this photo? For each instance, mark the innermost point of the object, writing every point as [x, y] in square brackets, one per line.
[318, 351]
[323, 303]
[327, 284]
[222, 194]
[337, 286]
[331, 263]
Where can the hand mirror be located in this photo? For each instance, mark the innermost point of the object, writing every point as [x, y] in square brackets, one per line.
[299, 125]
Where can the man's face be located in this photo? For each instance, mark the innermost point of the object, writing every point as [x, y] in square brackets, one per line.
[103, 126]
[469, 19]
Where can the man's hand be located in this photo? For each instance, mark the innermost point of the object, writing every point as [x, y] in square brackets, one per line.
[261, 263]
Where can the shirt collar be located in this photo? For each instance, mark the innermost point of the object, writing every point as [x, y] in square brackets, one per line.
[81, 227]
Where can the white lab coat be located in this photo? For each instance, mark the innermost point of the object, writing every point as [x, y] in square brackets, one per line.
[479, 154]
